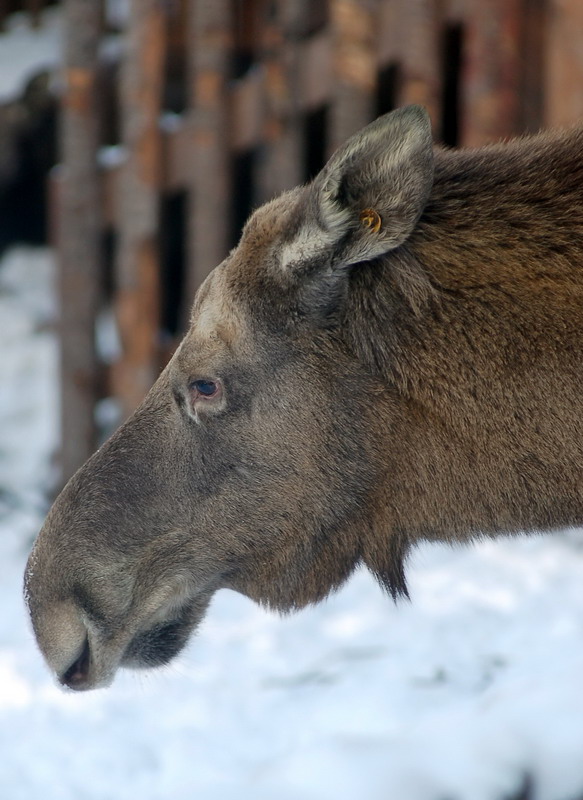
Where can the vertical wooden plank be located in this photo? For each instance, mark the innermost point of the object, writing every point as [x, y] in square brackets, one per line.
[564, 74]
[389, 45]
[421, 58]
[210, 51]
[532, 89]
[79, 232]
[138, 269]
[315, 75]
[389, 38]
[281, 166]
[354, 61]
[492, 73]
[452, 44]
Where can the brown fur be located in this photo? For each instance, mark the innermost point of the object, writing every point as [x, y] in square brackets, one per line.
[379, 388]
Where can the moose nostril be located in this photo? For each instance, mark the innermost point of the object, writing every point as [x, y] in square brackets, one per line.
[76, 675]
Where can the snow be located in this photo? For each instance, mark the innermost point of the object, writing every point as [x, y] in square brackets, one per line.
[463, 693]
[26, 51]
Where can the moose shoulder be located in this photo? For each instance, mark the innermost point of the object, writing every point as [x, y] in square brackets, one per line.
[392, 353]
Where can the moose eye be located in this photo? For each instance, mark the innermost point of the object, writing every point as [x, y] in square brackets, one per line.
[204, 388]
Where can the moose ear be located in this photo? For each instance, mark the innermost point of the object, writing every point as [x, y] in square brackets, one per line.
[369, 196]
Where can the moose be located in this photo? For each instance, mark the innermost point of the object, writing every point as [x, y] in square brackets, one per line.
[392, 353]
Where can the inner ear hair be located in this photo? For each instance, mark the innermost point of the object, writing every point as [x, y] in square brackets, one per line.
[364, 203]
[376, 185]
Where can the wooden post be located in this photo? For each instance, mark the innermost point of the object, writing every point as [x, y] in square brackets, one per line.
[210, 46]
[491, 85]
[138, 268]
[389, 34]
[79, 232]
[534, 53]
[355, 68]
[421, 67]
[281, 166]
[564, 74]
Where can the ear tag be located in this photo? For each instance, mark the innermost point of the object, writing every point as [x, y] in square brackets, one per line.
[371, 219]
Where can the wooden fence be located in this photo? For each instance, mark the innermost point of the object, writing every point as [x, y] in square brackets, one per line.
[217, 105]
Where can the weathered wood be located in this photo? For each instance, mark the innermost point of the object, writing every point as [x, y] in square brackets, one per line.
[420, 60]
[564, 78]
[79, 232]
[208, 170]
[281, 165]
[247, 102]
[302, 67]
[491, 84]
[355, 68]
[389, 40]
[533, 57]
[138, 268]
[315, 73]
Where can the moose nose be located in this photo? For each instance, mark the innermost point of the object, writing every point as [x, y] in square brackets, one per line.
[77, 674]
[63, 639]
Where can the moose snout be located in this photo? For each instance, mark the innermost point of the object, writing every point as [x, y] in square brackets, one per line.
[77, 675]
[73, 650]
[64, 641]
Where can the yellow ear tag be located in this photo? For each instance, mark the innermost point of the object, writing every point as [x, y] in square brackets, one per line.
[371, 219]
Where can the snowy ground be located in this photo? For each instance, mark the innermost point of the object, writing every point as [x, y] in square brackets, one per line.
[454, 696]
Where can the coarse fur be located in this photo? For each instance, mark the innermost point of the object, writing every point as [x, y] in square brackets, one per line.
[377, 385]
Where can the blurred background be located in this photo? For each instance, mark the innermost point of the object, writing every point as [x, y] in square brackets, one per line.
[136, 136]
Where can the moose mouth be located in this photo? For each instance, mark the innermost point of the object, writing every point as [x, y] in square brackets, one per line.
[158, 645]
[97, 661]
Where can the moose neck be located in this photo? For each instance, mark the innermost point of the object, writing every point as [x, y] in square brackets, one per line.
[476, 325]
[506, 218]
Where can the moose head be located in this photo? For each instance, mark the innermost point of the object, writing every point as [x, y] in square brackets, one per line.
[377, 362]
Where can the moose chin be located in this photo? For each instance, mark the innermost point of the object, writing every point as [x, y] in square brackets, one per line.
[391, 354]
